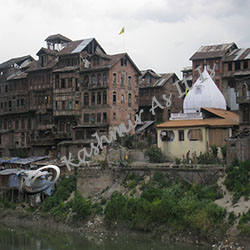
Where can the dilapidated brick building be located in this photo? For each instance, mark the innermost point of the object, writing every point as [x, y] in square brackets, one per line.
[73, 90]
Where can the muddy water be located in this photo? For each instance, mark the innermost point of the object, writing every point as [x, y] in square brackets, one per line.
[23, 239]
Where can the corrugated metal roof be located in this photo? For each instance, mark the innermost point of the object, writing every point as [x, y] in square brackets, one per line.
[57, 37]
[82, 45]
[9, 171]
[212, 51]
[238, 54]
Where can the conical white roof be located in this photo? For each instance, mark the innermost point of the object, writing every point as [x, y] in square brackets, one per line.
[204, 94]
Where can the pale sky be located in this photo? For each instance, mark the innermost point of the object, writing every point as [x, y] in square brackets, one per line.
[159, 34]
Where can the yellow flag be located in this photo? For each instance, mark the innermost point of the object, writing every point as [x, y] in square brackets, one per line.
[186, 91]
[122, 31]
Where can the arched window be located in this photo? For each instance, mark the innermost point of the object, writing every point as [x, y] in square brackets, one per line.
[167, 135]
[114, 97]
[114, 80]
[129, 99]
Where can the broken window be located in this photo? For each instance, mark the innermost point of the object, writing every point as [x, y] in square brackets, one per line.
[86, 81]
[99, 117]
[104, 117]
[99, 79]
[76, 105]
[9, 124]
[69, 105]
[104, 97]
[167, 135]
[16, 124]
[99, 98]
[217, 66]
[129, 99]
[104, 78]
[29, 123]
[237, 65]
[245, 65]
[114, 116]
[195, 135]
[114, 97]
[123, 62]
[76, 84]
[245, 112]
[93, 98]
[80, 134]
[86, 118]
[92, 118]
[93, 80]
[114, 80]
[181, 135]
[129, 82]
[63, 83]
[70, 82]
[63, 105]
[86, 99]
[122, 81]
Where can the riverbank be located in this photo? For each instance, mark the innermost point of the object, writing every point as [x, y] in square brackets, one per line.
[97, 230]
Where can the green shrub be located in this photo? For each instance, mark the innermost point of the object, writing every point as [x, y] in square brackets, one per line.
[214, 150]
[155, 155]
[237, 180]
[244, 224]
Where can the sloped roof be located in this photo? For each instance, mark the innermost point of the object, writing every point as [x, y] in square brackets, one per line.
[223, 118]
[212, 51]
[78, 46]
[238, 54]
[47, 51]
[57, 38]
[37, 66]
[17, 60]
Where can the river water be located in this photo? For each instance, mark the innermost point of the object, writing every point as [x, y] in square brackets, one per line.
[23, 239]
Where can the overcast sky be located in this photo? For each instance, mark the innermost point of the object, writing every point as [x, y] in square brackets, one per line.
[159, 34]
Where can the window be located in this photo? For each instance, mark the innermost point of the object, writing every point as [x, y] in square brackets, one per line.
[230, 68]
[10, 104]
[136, 99]
[63, 105]
[104, 78]
[22, 124]
[76, 84]
[6, 88]
[93, 98]
[86, 118]
[93, 80]
[195, 135]
[104, 117]
[16, 124]
[114, 97]
[129, 82]
[104, 101]
[181, 135]
[92, 118]
[77, 105]
[129, 99]
[245, 113]
[114, 116]
[29, 123]
[86, 99]
[245, 64]
[99, 117]
[63, 83]
[10, 124]
[69, 105]
[99, 98]
[167, 135]
[79, 134]
[114, 80]
[122, 81]
[122, 98]
[86, 81]
[99, 79]
[123, 62]
[237, 65]
[217, 66]
[70, 83]
[22, 102]
[61, 126]
[57, 81]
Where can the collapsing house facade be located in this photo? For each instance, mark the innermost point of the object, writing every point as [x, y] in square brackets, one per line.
[72, 91]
